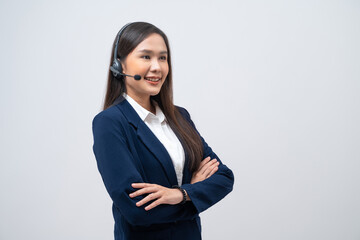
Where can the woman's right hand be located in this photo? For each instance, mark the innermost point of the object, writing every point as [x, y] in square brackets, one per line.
[206, 169]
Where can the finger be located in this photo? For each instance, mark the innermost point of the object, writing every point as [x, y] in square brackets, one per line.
[212, 171]
[143, 191]
[205, 165]
[209, 164]
[148, 198]
[141, 185]
[153, 204]
[203, 162]
[210, 168]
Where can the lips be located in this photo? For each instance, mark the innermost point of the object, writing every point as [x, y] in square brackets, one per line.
[153, 78]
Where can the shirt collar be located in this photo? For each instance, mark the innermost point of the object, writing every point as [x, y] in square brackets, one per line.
[143, 113]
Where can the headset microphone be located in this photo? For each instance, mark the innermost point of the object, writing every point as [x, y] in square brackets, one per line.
[136, 77]
[116, 73]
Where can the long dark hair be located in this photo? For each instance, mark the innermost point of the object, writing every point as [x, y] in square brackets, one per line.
[134, 34]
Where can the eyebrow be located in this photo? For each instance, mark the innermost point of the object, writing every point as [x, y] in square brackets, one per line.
[149, 51]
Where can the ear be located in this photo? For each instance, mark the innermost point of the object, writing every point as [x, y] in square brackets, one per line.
[123, 67]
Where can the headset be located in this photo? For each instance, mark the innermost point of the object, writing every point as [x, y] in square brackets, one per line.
[116, 67]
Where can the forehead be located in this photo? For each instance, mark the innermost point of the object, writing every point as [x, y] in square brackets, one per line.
[154, 42]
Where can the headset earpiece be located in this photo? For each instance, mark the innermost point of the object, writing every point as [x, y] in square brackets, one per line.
[116, 67]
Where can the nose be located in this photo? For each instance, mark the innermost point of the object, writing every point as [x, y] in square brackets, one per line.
[155, 66]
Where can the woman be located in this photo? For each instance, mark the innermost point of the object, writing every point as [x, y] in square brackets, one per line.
[158, 170]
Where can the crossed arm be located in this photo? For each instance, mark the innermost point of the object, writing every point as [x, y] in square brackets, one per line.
[163, 195]
[208, 185]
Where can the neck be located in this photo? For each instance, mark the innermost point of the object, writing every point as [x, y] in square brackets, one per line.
[144, 102]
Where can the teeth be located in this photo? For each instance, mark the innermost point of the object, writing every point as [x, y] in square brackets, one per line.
[153, 79]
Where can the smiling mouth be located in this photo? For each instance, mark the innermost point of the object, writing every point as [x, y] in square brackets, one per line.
[153, 79]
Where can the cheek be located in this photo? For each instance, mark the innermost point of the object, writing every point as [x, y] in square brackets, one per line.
[135, 65]
[165, 68]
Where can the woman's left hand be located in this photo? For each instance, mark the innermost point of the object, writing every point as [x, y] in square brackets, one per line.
[158, 193]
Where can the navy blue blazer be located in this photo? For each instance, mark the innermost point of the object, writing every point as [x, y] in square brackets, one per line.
[126, 152]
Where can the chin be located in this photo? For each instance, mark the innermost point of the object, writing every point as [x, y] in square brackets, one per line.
[154, 93]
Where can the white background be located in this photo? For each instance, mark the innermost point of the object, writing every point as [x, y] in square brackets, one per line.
[272, 86]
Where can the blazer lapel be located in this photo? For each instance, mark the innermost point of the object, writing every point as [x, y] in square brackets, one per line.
[149, 139]
[186, 172]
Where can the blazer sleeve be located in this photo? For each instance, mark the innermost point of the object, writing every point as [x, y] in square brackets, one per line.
[118, 170]
[206, 193]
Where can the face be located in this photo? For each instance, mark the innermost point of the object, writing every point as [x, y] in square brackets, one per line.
[149, 60]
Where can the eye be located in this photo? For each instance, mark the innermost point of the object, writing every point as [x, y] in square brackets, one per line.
[163, 57]
[145, 57]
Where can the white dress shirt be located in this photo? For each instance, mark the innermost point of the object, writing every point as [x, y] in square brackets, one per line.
[161, 129]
